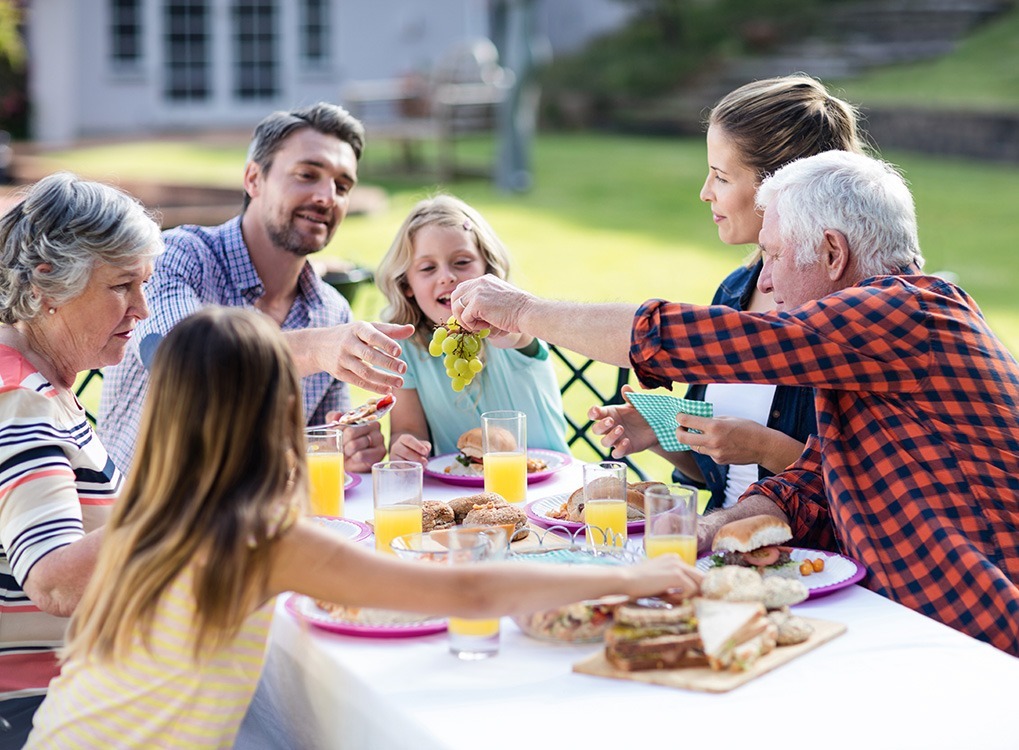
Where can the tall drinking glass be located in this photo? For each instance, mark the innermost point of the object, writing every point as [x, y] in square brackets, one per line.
[670, 521]
[396, 488]
[472, 638]
[605, 503]
[504, 442]
[325, 470]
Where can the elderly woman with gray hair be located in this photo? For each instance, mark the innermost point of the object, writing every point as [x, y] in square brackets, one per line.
[73, 258]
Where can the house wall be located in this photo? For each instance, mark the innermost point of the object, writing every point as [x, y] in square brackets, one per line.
[77, 93]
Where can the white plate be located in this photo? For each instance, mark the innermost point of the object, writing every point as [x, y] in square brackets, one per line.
[348, 528]
[538, 511]
[839, 571]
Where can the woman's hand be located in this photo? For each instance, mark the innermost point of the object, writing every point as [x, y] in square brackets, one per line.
[665, 574]
[406, 447]
[731, 440]
[622, 427]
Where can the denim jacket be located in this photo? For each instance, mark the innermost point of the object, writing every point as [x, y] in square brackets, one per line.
[792, 409]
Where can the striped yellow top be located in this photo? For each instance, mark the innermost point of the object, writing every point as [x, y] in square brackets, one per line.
[159, 698]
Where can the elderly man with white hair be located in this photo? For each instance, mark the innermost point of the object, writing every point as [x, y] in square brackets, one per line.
[915, 467]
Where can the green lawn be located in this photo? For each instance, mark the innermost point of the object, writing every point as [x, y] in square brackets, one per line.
[981, 74]
[617, 218]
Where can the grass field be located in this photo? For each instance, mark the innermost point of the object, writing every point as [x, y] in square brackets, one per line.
[617, 218]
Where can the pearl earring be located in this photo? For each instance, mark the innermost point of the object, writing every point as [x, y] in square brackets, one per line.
[52, 310]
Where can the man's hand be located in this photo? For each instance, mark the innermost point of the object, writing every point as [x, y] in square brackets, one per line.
[622, 427]
[489, 302]
[752, 505]
[360, 354]
[363, 445]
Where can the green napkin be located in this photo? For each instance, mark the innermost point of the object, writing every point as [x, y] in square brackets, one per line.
[660, 410]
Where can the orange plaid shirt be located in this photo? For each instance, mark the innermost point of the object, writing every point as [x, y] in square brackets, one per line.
[915, 468]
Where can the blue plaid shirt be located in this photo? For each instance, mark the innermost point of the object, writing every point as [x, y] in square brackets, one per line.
[211, 266]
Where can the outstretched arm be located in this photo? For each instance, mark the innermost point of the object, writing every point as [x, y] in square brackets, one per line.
[600, 331]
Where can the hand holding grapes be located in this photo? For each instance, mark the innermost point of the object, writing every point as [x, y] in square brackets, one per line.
[460, 349]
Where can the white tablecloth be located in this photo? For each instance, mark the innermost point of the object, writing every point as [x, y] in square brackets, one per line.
[895, 679]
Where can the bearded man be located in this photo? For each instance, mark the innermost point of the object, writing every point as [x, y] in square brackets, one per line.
[300, 171]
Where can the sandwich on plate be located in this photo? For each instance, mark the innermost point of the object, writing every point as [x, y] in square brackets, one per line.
[754, 542]
[734, 635]
[654, 637]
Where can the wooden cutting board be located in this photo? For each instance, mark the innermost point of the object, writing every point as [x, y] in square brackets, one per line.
[707, 680]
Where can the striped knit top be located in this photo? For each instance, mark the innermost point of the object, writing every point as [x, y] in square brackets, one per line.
[56, 483]
[159, 697]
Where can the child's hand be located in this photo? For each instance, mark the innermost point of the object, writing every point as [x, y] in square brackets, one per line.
[406, 447]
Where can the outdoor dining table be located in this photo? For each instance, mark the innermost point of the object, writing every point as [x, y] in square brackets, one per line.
[894, 679]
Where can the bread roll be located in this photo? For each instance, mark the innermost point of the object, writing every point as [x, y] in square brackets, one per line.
[497, 515]
[436, 514]
[461, 506]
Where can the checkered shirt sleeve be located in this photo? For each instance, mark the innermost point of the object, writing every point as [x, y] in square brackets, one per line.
[917, 449]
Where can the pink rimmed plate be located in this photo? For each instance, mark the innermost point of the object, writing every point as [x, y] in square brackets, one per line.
[436, 468]
[538, 511]
[305, 609]
[351, 481]
[348, 528]
[839, 571]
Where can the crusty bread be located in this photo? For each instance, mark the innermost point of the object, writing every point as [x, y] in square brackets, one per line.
[436, 514]
[751, 533]
[498, 515]
[461, 506]
[733, 584]
[790, 629]
[783, 592]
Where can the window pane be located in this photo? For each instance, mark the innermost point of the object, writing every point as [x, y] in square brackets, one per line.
[125, 32]
[186, 43]
[255, 44]
[314, 32]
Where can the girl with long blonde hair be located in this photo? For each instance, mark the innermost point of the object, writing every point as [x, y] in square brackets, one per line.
[167, 644]
[442, 242]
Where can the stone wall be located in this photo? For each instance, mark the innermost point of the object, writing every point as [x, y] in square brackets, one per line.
[976, 135]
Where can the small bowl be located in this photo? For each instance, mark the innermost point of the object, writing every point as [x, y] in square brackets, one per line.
[455, 544]
[580, 622]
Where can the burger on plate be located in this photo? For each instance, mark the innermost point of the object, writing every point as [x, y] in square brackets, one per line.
[470, 460]
[754, 542]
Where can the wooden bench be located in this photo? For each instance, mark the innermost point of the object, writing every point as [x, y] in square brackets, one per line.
[461, 95]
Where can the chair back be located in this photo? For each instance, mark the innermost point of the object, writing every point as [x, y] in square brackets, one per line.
[91, 382]
[602, 384]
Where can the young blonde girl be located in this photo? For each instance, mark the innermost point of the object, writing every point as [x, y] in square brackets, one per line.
[442, 242]
[167, 644]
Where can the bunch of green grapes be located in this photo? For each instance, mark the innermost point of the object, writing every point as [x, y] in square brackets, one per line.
[461, 349]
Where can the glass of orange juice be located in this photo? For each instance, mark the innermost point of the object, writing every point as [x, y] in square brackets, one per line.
[605, 503]
[325, 470]
[670, 521]
[396, 488]
[504, 444]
